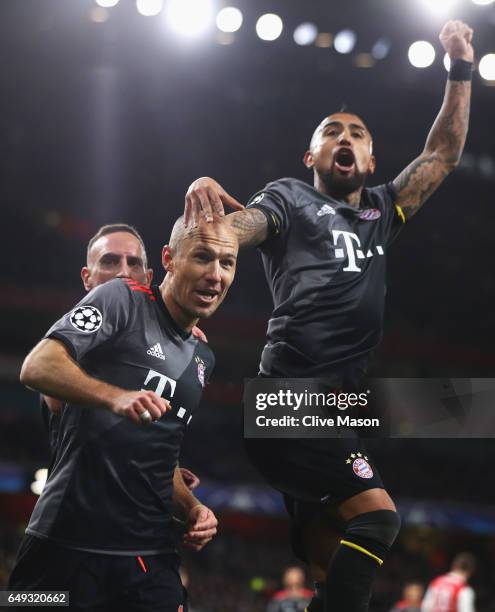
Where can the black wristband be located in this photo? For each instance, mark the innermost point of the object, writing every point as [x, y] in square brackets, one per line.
[460, 70]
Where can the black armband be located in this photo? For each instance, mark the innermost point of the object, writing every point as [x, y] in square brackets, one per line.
[460, 70]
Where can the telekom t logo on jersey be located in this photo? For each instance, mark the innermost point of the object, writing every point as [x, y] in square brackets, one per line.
[165, 387]
[352, 250]
[161, 384]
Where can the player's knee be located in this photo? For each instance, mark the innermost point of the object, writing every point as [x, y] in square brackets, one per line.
[381, 526]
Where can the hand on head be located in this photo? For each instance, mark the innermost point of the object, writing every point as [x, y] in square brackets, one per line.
[205, 198]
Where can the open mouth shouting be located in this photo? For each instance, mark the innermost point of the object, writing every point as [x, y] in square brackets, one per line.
[344, 160]
[205, 297]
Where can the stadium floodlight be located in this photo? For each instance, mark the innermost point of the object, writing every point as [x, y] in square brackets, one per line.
[345, 41]
[483, 2]
[487, 67]
[421, 54]
[305, 34]
[149, 8]
[446, 62]
[229, 19]
[439, 7]
[189, 17]
[269, 26]
[107, 3]
[381, 48]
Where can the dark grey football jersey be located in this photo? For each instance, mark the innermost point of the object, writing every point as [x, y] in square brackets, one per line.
[110, 484]
[325, 264]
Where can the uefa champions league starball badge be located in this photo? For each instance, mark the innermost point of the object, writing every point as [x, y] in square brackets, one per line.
[87, 319]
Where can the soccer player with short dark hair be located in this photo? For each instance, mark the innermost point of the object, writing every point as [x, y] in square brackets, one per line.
[115, 251]
[451, 592]
[131, 373]
[323, 250]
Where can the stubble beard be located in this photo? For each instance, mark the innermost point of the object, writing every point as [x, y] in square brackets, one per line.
[340, 186]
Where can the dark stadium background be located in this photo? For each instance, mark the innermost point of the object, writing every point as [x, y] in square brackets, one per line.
[107, 122]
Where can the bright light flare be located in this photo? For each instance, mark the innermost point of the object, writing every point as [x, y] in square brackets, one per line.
[345, 41]
[305, 34]
[446, 62]
[149, 8]
[421, 54]
[107, 3]
[487, 67]
[229, 19]
[189, 17]
[439, 7]
[483, 2]
[269, 26]
[381, 48]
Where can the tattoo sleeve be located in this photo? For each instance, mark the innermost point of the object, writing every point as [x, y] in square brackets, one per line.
[442, 151]
[250, 225]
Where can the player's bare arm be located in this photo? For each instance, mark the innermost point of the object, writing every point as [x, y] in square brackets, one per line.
[49, 369]
[250, 226]
[206, 197]
[200, 521]
[445, 142]
[182, 498]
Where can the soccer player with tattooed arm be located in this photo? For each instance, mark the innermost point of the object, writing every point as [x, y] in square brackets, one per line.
[323, 250]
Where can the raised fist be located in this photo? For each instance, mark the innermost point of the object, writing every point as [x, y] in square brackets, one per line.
[456, 39]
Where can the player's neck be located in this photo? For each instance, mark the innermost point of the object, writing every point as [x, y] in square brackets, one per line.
[178, 314]
[353, 199]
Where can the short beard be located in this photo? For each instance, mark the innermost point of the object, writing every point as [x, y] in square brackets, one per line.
[341, 187]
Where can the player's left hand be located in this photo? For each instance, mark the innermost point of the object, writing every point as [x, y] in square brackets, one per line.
[205, 198]
[201, 527]
[199, 333]
[456, 37]
[190, 479]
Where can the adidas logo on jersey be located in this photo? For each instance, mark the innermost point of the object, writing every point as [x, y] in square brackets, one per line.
[326, 209]
[156, 351]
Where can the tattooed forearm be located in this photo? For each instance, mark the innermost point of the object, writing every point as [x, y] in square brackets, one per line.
[250, 225]
[418, 181]
[448, 134]
[442, 151]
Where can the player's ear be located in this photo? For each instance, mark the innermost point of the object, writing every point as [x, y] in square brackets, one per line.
[149, 276]
[308, 160]
[85, 274]
[167, 258]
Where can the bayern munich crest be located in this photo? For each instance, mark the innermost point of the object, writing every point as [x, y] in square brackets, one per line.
[362, 468]
[360, 465]
[370, 214]
[201, 370]
[87, 319]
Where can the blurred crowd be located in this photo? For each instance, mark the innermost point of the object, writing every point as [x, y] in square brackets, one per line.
[243, 572]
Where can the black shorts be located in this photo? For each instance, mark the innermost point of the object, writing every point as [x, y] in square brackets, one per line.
[315, 476]
[98, 582]
[302, 513]
[321, 470]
